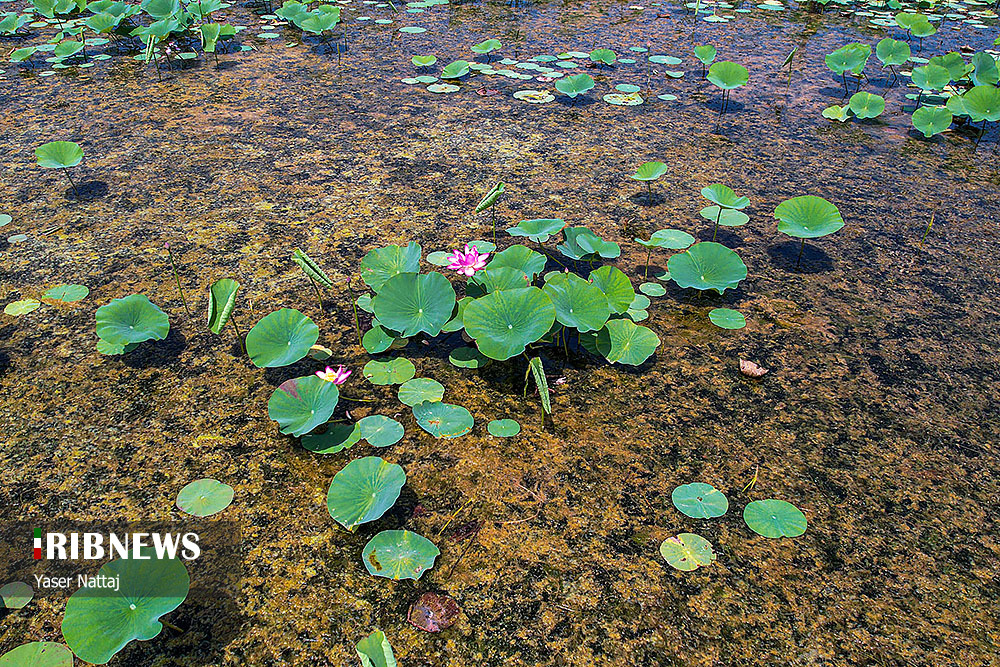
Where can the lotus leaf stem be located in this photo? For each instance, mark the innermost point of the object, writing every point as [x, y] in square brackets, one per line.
[319, 296]
[75, 191]
[802, 247]
[358, 400]
[354, 305]
[177, 279]
[717, 219]
[170, 625]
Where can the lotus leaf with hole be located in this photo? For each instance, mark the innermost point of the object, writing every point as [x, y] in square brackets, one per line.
[99, 623]
[396, 371]
[625, 342]
[774, 518]
[375, 651]
[707, 265]
[380, 431]
[399, 554]
[699, 500]
[281, 338]
[687, 552]
[381, 264]
[363, 491]
[538, 230]
[616, 287]
[301, 404]
[413, 303]
[504, 323]
[579, 304]
[131, 319]
[38, 654]
[419, 390]
[932, 120]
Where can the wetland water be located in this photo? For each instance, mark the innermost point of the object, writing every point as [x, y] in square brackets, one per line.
[878, 417]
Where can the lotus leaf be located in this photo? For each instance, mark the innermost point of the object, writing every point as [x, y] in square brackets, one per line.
[521, 258]
[16, 595]
[538, 230]
[204, 497]
[22, 307]
[38, 654]
[672, 239]
[363, 491]
[728, 75]
[774, 518]
[687, 551]
[67, 293]
[399, 554]
[396, 371]
[468, 357]
[572, 86]
[504, 323]
[381, 431]
[807, 217]
[454, 70]
[930, 77]
[578, 303]
[419, 390]
[413, 303]
[375, 651]
[724, 197]
[623, 341]
[503, 428]
[337, 438]
[131, 319]
[616, 287]
[932, 120]
[892, 52]
[381, 264]
[699, 500]
[727, 318]
[59, 154]
[301, 404]
[707, 265]
[443, 420]
[649, 171]
[221, 300]
[281, 338]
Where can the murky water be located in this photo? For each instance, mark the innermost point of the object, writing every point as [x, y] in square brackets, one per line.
[878, 418]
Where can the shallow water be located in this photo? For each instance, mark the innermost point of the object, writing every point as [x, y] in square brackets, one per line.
[878, 417]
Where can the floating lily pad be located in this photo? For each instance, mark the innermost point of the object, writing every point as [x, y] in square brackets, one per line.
[443, 420]
[363, 491]
[22, 307]
[423, 61]
[412, 29]
[442, 88]
[699, 500]
[727, 318]
[301, 404]
[652, 289]
[380, 264]
[503, 428]
[504, 323]
[624, 342]
[204, 497]
[419, 390]
[672, 239]
[774, 518]
[399, 554]
[380, 431]
[413, 303]
[132, 319]
[468, 357]
[38, 654]
[396, 371]
[623, 99]
[534, 96]
[538, 230]
[687, 551]
[67, 293]
[280, 338]
[16, 595]
[578, 303]
[377, 339]
[337, 438]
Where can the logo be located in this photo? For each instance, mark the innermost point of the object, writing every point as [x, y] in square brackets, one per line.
[98, 546]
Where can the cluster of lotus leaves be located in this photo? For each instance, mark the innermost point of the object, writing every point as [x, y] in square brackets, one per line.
[99, 623]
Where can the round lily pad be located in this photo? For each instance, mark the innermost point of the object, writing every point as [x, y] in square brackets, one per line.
[534, 96]
[380, 431]
[727, 318]
[301, 404]
[726, 217]
[377, 339]
[396, 371]
[443, 420]
[503, 428]
[16, 595]
[624, 342]
[774, 518]
[616, 287]
[699, 500]
[336, 438]
[204, 497]
[380, 264]
[412, 29]
[22, 307]
[67, 293]
[59, 154]
[808, 217]
[419, 390]
[132, 319]
[687, 551]
[468, 357]
[281, 338]
[578, 303]
[413, 303]
[707, 265]
[38, 654]
[652, 289]
[363, 491]
[399, 554]
[442, 88]
[504, 323]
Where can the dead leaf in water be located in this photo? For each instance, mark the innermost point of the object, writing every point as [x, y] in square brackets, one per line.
[751, 370]
[433, 612]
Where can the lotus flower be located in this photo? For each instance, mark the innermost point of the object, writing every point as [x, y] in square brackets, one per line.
[467, 262]
[338, 376]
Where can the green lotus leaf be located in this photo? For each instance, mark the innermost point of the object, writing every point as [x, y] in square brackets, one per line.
[99, 623]
[616, 287]
[665, 60]
[649, 171]
[375, 651]
[495, 279]
[707, 265]
[687, 552]
[59, 154]
[866, 105]
[363, 491]
[423, 61]
[396, 371]
[699, 500]
[650, 289]
[454, 70]
[22, 54]
[932, 120]
[487, 201]
[723, 196]
[468, 357]
[38, 654]
[603, 56]
[504, 323]
[22, 307]
[443, 420]
[15, 595]
[301, 404]
[131, 319]
[624, 342]
[381, 264]
[726, 217]
[774, 518]
[892, 52]
[67, 293]
[381, 431]
[582, 244]
[106, 348]
[807, 217]
[538, 230]
[578, 303]
[930, 77]
[419, 390]
[849, 58]
[486, 46]
[281, 338]
[982, 103]
[727, 318]
[204, 497]
[705, 53]
[519, 257]
[336, 438]
[574, 85]
[457, 321]
[221, 300]
[984, 70]
[413, 303]
[837, 112]
[922, 29]
[957, 68]
[672, 239]
[503, 428]
[728, 75]
[377, 339]
[399, 554]
[310, 267]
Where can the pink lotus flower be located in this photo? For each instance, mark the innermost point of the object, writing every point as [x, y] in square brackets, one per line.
[338, 376]
[467, 262]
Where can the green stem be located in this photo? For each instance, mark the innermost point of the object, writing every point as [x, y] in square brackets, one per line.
[717, 219]
[75, 191]
[358, 400]
[354, 305]
[646, 271]
[319, 296]
[177, 278]
[239, 335]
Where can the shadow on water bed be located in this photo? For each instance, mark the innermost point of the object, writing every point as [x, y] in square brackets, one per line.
[877, 417]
